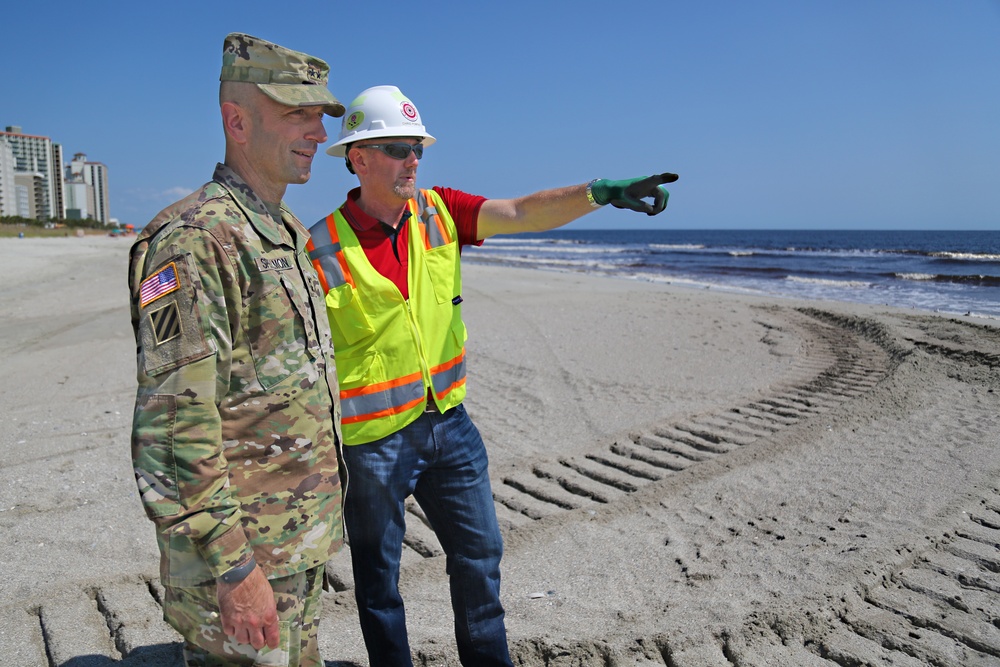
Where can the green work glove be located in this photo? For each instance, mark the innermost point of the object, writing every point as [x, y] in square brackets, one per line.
[630, 193]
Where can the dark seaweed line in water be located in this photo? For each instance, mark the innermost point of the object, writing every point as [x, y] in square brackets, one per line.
[958, 279]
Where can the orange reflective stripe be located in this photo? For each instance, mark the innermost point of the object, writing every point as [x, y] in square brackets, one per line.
[381, 386]
[331, 225]
[325, 241]
[448, 364]
[388, 412]
[450, 372]
[432, 228]
[455, 385]
[348, 278]
[441, 228]
[310, 246]
[399, 395]
[414, 207]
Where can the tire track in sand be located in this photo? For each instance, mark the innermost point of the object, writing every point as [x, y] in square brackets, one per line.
[843, 365]
[940, 608]
[937, 608]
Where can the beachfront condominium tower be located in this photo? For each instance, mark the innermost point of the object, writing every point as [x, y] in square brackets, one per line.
[39, 169]
[86, 188]
[8, 187]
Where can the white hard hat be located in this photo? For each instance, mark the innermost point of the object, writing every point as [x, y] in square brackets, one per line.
[382, 111]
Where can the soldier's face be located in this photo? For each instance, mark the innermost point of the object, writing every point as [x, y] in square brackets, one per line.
[283, 140]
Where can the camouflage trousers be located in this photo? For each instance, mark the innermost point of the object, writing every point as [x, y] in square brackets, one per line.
[194, 612]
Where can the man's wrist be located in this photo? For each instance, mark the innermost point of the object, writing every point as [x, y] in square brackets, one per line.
[590, 194]
[238, 573]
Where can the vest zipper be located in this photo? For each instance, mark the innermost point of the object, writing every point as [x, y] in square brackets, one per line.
[425, 371]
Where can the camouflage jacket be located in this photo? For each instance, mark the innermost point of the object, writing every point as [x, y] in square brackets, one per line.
[233, 436]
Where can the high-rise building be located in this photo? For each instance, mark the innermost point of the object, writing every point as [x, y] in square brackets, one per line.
[99, 177]
[8, 187]
[38, 157]
[57, 185]
[30, 194]
[86, 190]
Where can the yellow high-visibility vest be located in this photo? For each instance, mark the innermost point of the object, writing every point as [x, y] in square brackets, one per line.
[392, 352]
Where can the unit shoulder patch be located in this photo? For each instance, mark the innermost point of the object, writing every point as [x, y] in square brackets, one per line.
[166, 323]
[170, 327]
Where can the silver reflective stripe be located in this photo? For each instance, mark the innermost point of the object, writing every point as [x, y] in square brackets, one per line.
[427, 214]
[331, 268]
[445, 379]
[320, 234]
[325, 250]
[396, 397]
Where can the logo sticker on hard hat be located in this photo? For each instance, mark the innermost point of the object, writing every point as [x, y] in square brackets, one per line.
[409, 111]
[354, 120]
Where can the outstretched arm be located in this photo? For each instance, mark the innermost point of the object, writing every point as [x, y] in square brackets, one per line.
[537, 212]
[548, 209]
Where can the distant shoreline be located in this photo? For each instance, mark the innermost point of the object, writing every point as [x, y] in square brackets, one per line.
[29, 231]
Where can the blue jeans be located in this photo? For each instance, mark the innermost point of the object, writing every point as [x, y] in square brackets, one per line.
[441, 460]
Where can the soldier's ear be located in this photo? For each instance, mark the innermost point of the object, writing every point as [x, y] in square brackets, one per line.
[235, 121]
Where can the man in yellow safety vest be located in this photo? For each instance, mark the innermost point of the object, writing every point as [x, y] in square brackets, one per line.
[388, 260]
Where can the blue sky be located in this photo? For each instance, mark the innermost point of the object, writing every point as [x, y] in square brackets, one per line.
[785, 115]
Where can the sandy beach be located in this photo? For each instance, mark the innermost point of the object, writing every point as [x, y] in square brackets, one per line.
[684, 477]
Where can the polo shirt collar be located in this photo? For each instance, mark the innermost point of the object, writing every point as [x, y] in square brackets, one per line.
[358, 219]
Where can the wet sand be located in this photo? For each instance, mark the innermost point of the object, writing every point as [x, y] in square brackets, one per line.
[684, 477]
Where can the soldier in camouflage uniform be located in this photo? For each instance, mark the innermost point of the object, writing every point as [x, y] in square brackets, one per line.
[235, 432]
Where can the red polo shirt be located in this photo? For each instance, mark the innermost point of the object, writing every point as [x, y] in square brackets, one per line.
[386, 247]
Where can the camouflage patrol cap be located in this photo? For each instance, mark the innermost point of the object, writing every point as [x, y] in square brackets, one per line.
[289, 77]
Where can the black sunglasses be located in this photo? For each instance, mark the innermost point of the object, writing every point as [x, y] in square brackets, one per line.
[398, 150]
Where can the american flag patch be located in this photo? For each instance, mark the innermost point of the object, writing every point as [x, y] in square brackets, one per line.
[162, 282]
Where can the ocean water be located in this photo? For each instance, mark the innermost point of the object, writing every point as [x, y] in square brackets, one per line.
[955, 273]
